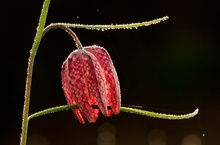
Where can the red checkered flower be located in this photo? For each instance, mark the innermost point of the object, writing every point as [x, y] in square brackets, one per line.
[89, 79]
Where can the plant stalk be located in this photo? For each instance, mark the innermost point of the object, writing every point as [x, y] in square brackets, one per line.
[27, 101]
[33, 52]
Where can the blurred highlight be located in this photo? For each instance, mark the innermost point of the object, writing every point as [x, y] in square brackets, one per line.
[191, 139]
[106, 134]
[157, 137]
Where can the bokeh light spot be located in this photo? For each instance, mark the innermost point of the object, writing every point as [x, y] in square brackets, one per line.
[191, 139]
[157, 137]
[106, 134]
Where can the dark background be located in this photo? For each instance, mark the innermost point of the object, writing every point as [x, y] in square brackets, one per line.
[171, 67]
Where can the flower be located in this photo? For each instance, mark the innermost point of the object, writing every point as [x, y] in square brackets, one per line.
[89, 79]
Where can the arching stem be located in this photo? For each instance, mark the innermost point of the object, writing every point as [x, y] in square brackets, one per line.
[68, 30]
[122, 109]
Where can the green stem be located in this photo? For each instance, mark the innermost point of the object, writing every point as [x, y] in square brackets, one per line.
[33, 52]
[159, 115]
[106, 27]
[123, 109]
[27, 101]
[68, 30]
[52, 110]
[41, 26]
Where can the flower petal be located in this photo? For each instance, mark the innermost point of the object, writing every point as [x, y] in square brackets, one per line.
[68, 94]
[112, 83]
[77, 66]
[97, 83]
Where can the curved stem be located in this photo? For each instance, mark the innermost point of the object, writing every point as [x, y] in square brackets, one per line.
[33, 52]
[122, 109]
[74, 36]
[68, 30]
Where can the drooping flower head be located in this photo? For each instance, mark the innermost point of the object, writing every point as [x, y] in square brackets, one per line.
[89, 79]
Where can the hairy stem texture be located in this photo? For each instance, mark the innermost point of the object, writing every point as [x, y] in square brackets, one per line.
[122, 109]
[33, 52]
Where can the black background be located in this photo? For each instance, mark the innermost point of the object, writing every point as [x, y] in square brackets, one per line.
[171, 67]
